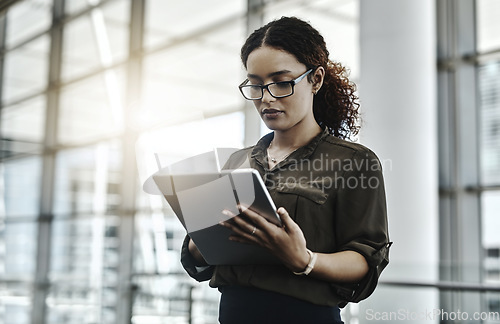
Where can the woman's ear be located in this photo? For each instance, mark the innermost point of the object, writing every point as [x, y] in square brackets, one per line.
[317, 79]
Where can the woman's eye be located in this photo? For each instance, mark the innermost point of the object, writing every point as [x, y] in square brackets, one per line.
[284, 85]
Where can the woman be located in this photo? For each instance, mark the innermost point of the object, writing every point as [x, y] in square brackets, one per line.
[334, 241]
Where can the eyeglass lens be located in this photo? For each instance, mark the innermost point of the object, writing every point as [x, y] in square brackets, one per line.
[276, 90]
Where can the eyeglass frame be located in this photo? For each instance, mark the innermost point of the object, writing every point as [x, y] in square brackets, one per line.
[266, 86]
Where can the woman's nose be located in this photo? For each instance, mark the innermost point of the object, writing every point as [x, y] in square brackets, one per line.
[266, 96]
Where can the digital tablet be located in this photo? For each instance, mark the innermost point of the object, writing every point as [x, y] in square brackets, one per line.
[198, 201]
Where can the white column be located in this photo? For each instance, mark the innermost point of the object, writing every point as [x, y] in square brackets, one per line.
[398, 100]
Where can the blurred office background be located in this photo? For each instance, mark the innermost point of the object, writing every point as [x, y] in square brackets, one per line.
[91, 89]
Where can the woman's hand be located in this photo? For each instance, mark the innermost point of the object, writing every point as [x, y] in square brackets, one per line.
[287, 243]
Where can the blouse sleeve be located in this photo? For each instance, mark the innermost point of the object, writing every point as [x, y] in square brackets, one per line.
[188, 262]
[362, 219]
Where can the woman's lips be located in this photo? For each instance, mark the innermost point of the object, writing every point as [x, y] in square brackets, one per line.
[271, 113]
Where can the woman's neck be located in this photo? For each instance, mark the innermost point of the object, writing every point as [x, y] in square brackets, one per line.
[295, 137]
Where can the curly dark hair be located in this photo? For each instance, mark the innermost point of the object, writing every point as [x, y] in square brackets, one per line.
[336, 104]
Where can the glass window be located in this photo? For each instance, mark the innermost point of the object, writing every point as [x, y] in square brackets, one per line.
[488, 39]
[158, 242]
[20, 192]
[20, 187]
[490, 221]
[83, 270]
[488, 25]
[25, 70]
[188, 80]
[489, 96]
[15, 303]
[92, 108]
[27, 18]
[74, 6]
[181, 141]
[166, 21]
[169, 298]
[490, 207]
[97, 39]
[25, 121]
[18, 259]
[87, 180]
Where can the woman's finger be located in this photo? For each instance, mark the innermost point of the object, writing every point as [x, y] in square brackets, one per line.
[258, 219]
[243, 230]
[287, 221]
[235, 223]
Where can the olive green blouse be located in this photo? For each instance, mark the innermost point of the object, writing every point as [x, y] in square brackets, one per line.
[334, 190]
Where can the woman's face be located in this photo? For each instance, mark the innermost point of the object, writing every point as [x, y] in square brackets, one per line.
[267, 64]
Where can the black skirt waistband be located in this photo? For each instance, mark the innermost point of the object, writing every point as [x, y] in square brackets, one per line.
[251, 305]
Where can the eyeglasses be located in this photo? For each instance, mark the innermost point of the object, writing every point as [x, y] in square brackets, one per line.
[280, 89]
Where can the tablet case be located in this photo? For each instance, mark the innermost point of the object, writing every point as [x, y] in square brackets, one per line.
[198, 199]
